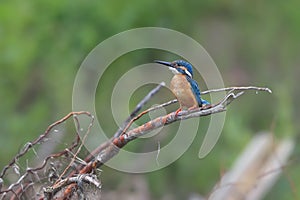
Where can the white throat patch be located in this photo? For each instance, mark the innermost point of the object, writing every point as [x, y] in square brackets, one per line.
[174, 70]
[177, 72]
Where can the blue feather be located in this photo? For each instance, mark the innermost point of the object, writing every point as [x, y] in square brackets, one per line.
[196, 91]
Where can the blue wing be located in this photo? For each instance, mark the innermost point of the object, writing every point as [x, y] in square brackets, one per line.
[196, 91]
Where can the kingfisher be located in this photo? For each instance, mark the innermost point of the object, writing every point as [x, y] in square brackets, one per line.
[184, 87]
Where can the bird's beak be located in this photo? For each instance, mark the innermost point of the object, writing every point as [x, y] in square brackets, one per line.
[169, 64]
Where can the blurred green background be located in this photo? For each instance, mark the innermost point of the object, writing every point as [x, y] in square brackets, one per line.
[42, 45]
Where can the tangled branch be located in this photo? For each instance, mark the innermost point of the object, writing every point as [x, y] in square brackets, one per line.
[18, 187]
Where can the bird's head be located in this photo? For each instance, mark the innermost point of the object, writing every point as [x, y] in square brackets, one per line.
[178, 67]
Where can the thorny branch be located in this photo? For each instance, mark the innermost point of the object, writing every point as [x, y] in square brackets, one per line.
[110, 148]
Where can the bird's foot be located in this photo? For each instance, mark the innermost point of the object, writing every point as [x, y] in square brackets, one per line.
[206, 106]
[192, 108]
[177, 111]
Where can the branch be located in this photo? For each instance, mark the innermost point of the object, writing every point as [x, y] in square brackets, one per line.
[244, 88]
[21, 184]
[41, 138]
[49, 192]
[173, 117]
[113, 148]
[127, 123]
[239, 88]
[138, 108]
[110, 148]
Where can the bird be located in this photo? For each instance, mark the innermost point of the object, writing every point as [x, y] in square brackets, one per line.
[183, 86]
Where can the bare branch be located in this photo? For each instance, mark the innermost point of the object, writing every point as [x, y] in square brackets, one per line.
[138, 108]
[21, 184]
[30, 145]
[88, 178]
[238, 88]
[113, 148]
[110, 148]
[127, 123]
[82, 143]
[231, 89]
[182, 115]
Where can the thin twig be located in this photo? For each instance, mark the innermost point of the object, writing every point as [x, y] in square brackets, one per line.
[80, 146]
[147, 111]
[20, 184]
[88, 178]
[138, 108]
[238, 88]
[30, 145]
[126, 123]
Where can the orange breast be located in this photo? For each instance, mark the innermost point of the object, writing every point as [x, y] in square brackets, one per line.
[183, 92]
